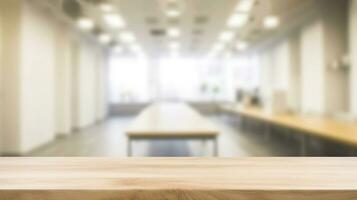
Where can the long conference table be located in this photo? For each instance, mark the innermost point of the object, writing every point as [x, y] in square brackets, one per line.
[178, 178]
[171, 121]
[342, 132]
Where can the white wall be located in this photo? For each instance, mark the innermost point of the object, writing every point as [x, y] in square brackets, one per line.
[335, 18]
[294, 91]
[102, 85]
[313, 68]
[324, 42]
[265, 62]
[37, 78]
[299, 62]
[280, 65]
[10, 12]
[276, 65]
[63, 82]
[1, 80]
[87, 84]
[39, 87]
[75, 47]
[353, 56]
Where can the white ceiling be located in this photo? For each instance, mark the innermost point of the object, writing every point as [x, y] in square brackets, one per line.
[201, 21]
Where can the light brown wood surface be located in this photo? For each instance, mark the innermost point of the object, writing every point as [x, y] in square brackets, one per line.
[344, 132]
[178, 178]
[171, 119]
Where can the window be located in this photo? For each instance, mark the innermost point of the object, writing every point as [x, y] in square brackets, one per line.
[128, 78]
[177, 79]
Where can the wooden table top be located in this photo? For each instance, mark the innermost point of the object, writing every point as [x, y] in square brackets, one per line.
[171, 120]
[344, 132]
[178, 178]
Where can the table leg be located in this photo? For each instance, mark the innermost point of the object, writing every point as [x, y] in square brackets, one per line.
[303, 150]
[267, 131]
[204, 147]
[129, 147]
[352, 152]
[215, 146]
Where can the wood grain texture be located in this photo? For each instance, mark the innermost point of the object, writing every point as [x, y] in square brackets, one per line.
[171, 120]
[178, 178]
[318, 126]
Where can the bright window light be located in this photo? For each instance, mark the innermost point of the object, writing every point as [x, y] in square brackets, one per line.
[106, 7]
[122, 86]
[245, 6]
[117, 49]
[242, 45]
[271, 22]
[174, 54]
[238, 20]
[127, 37]
[173, 13]
[228, 55]
[85, 23]
[114, 20]
[218, 47]
[226, 36]
[173, 32]
[135, 48]
[179, 79]
[104, 38]
[211, 54]
[174, 45]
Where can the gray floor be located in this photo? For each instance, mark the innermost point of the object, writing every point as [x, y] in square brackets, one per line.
[108, 139]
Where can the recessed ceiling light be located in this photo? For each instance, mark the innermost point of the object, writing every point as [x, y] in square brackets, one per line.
[106, 7]
[174, 45]
[242, 45]
[245, 6]
[173, 13]
[238, 20]
[114, 20]
[271, 22]
[104, 38]
[226, 36]
[85, 23]
[127, 37]
[173, 32]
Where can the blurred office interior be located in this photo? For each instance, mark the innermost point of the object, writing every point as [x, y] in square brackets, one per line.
[274, 77]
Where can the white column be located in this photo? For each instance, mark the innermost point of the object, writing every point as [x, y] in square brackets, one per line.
[63, 81]
[353, 56]
[10, 63]
[1, 81]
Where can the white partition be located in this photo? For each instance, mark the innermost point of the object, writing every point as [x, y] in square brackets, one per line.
[11, 67]
[63, 83]
[313, 69]
[353, 56]
[1, 81]
[37, 87]
[280, 73]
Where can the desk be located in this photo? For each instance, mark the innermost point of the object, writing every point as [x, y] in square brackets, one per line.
[342, 132]
[178, 178]
[171, 121]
